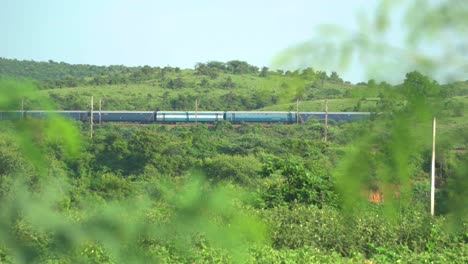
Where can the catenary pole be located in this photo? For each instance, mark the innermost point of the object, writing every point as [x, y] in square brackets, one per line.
[433, 167]
[91, 118]
[326, 120]
[100, 109]
[297, 110]
[22, 108]
[196, 111]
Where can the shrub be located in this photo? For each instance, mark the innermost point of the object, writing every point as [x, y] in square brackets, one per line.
[239, 169]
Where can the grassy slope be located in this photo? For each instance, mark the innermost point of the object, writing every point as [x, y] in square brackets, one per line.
[154, 94]
[149, 94]
[334, 105]
[452, 125]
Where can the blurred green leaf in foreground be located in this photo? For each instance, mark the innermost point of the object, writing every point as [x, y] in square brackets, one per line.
[399, 37]
[43, 218]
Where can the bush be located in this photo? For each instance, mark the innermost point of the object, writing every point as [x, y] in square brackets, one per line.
[239, 169]
[298, 184]
[110, 186]
[411, 234]
[308, 226]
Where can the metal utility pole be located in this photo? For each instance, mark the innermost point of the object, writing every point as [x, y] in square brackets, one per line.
[433, 166]
[22, 108]
[91, 118]
[100, 109]
[297, 110]
[196, 110]
[326, 120]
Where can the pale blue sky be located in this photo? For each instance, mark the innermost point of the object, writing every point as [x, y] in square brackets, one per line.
[159, 33]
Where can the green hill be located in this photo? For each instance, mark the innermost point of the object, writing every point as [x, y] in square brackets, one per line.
[234, 85]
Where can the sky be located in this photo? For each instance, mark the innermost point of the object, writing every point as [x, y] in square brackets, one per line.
[165, 33]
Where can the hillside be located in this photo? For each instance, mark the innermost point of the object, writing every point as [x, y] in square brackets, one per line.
[233, 85]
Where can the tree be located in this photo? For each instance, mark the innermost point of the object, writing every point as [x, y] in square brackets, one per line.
[262, 98]
[228, 83]
[322, 77]
[264, 72]
[240, 67]
[176, 83]
[201, 69]
[335, 78]
[146, 70]
[216, 65]
[204, 69]
[308, 73]
[418, 85]
[70, 81]
[204, 83]
[299, 185]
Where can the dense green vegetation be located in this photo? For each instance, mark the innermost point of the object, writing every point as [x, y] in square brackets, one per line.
[222, 193]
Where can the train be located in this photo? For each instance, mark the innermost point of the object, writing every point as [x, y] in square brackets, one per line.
[185, 116]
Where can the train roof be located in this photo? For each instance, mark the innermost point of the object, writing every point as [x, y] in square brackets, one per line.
[261, 112]
[49, 111]
[123, 112]
[192, 112]
[342, 113]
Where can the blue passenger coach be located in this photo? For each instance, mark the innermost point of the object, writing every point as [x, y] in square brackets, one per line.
[189, 116]
[336, 116]
[285, 117]
[76, 115]
[11, 115]
[125, 116]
